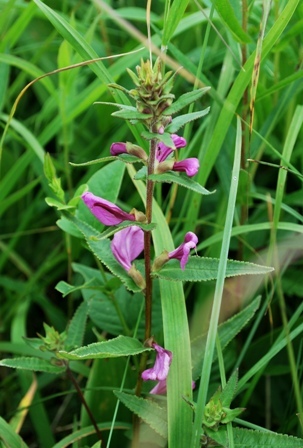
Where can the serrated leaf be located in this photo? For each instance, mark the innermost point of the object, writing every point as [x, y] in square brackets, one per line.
[76, 327]
[55, 203]
[227, 332]
[102, 250]
[229, 390]
[180, 179]
[246, 438]
[120, 106]
[203, 269]
[182, 120]
[131, 115]
[120, 346]
[33, 364]
[95, 161]
[149, 411]
[114, 229]
[185, 99]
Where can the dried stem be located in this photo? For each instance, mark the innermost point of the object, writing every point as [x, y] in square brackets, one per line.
[83, 401]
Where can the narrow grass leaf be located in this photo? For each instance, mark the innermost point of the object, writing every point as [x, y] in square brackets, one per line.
[226, 12]
[8, 436]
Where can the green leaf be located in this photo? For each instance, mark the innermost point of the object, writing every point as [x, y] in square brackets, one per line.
[180, 179]
[8, 437]
[148, 410]
[33, 364]
[76, 328]
[185, 99]
[95, 161]
[229, 390]
[164, 138]
[120, 346]
[52, 202]
[227, 332]
[69, 227]
[246, 438]
[202, 269]
[182, 120]
[174, 16]
[228, 16]
[131, 115]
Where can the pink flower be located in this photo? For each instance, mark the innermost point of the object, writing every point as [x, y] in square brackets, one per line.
[189, 166]
[164, 151]
[118, 148]
[160, 369]
[107, 212]
[127, 244]
[182, 252]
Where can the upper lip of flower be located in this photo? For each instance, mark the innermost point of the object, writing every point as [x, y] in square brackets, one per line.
[164, 151]
[107, 212]
[182, 252]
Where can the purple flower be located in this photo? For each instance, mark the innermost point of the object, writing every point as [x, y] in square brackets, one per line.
[164, 151]
[107, 212]
[160, 369]
[190, 166]
[128, 148]
[127, 244]
[160, 388]
[182, 252]
[118, 148]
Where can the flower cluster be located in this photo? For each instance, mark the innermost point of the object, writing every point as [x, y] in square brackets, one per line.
[189, 166]
[128, 243]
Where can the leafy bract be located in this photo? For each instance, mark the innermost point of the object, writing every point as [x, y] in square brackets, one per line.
[182, 180]
[182, 120]
[120, 346]
[202, 269]
[185, 99]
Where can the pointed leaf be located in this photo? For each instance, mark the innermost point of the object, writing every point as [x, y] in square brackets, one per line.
[228, 16]
[202, 269]
[227, 332]
[148, 410]
[185, 99]
[33, 364]
[180, 179]
[164, 138]
[246, 438]
[120, 346]
[229, 390]
[131, 115]
[182, 120]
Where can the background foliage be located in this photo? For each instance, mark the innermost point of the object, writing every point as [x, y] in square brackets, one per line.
[57, 115]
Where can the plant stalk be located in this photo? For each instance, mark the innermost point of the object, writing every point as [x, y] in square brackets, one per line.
[83, 401]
